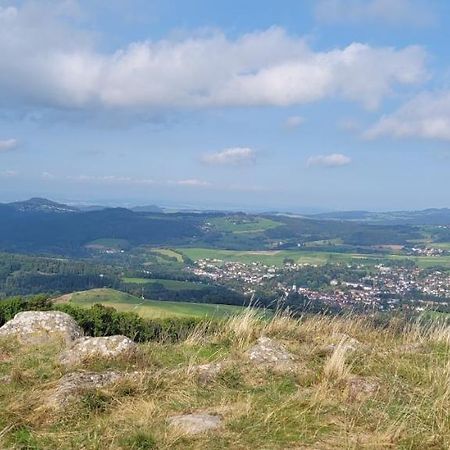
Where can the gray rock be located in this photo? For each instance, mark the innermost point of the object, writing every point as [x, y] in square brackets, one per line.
[41, 327]
[77, 382]
[207, 373]
[269, 352]
[195, 423]
[348, 343]
[100, 347]
[361, 387]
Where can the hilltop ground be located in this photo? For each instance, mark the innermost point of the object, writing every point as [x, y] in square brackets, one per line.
[350, 385]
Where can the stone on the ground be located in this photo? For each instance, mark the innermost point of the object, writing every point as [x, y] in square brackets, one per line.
[41, 327]
[101, 347]
[268, 352]
[74, 383]
[361, 387]
[207, 373]
[348, 343]
[411, 347]
[194, 423]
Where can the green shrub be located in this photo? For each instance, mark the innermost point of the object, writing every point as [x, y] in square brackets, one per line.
[100, 320]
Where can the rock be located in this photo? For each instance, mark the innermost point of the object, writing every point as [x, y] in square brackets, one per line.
[347, 342]
[268, 352]
[103, 347]
[207, 373]
[195, 423]
[74, 383]
[360, 387]
[412, 347]
[41, 327]
[6, 379]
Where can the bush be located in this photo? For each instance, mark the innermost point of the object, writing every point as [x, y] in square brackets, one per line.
[102, 320]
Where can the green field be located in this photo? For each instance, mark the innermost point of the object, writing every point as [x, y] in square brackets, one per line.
[243, 225]
[276, 258]
[116, 244]
[173, 285]
[149, 309]
[168, 252]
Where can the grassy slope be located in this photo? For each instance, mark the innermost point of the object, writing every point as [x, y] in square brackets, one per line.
[307, 407]
[236, 225]
[306, 257]
[150, 308]
[168, 284]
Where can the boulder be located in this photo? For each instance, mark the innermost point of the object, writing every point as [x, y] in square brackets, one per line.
[268, 352]
[195, 423]
[361, 387]
[74, 383]
[348, 343]
[207, 373]
[99, 347]
[41, 327]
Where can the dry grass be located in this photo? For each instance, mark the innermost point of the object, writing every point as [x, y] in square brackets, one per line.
[308, 407]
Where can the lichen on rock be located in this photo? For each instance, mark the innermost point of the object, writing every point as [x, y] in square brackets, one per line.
[42, 327]
[109, 347]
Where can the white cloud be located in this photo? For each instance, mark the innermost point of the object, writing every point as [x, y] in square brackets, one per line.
[294, 122]
[47, 64]
[230, 157]
[333, 160]
[8, 144]
[9, 173]
[126, 180]
[392, 12]
[426, 116]
[113, 179]
[193, 182]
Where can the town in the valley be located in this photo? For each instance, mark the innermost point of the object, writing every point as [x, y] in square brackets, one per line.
[380, 286]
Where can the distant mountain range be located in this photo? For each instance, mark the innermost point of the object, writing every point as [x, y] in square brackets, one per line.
[43, 226]
[432, 216]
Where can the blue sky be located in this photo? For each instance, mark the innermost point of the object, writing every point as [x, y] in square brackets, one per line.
[318, 104]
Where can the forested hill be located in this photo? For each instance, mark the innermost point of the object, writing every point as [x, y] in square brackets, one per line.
[45, 227]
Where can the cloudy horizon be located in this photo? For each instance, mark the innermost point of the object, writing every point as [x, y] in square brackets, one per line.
[320, 105]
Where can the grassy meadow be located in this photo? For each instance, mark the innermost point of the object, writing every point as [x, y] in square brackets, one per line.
[403, 399]
[149, 308]
[276, 257]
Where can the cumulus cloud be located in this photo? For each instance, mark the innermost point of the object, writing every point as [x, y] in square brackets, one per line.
[8, 144]
[426, 116]
[393, 12]
[230, 157]
[333, 160]
[293, 122]
[47, 64]
[193, 182]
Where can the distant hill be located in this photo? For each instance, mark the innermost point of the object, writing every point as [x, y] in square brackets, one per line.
[42, 205]
[433, 216]
[148, 209]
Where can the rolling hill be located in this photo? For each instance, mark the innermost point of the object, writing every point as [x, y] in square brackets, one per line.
[149, 309]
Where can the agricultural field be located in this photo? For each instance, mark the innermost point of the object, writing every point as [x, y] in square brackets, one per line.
[148, 309]
[114, 244]
[168, 252]
[276, 258]
[240, 225]
[173, 285]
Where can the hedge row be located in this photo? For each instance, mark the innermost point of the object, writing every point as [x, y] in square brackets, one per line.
[100, 320]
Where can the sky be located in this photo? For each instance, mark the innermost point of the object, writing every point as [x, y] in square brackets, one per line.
[288, 105]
